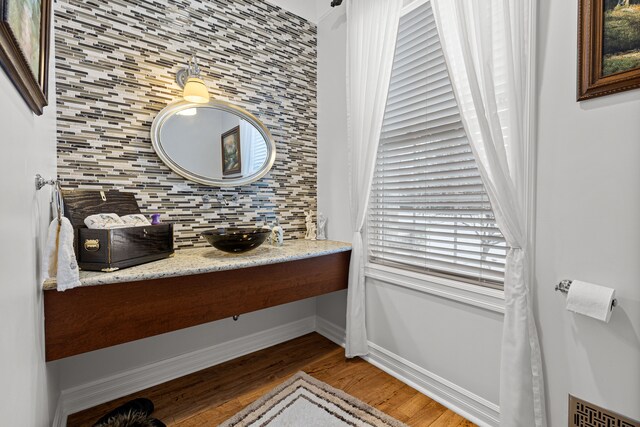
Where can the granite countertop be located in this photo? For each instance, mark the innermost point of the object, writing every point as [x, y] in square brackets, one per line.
[187, 262]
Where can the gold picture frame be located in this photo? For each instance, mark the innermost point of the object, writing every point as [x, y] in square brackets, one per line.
[231, 152]
[608, 47]
[24, 48]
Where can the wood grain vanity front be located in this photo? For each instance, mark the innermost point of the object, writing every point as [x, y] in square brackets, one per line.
[94, 317]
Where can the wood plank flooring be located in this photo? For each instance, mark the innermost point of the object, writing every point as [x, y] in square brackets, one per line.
[210, 396]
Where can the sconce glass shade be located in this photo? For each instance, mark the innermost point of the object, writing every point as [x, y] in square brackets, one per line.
[195, 91]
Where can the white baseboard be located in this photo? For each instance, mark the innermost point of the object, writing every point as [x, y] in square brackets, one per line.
[91, 394]
[59, 419]
[330, 330]
[458, 399]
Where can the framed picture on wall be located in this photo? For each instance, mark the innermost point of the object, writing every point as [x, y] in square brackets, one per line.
[609, 47]
[24, 48]
[231, 156]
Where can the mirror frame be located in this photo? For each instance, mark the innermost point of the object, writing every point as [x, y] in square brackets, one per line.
[174, 108]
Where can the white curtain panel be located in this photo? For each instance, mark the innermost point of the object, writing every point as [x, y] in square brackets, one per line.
[246, 147]
[489, 51]
[372, 29]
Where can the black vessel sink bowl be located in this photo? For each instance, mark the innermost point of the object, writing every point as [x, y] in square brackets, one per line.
[236, 240]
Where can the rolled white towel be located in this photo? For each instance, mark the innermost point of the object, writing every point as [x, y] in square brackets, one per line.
[60, 259]
[135, 220]
[104, 221]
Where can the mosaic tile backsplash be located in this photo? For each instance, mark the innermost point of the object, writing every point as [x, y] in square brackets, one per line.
[115, 70]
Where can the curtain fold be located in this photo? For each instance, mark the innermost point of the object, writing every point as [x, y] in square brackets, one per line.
[247, 137]
[372, 29]
[488, 50]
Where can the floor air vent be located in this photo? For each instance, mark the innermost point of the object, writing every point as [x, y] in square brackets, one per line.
[585, 414]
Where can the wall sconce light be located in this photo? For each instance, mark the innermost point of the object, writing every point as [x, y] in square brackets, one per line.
[194, 89]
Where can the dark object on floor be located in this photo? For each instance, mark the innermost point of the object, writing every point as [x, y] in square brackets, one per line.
[132, 419]
[335, 3]
[140, 406]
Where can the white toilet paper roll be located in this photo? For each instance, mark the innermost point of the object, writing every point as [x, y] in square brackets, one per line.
[591, 300]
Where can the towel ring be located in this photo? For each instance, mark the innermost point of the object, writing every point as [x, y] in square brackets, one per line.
[41, 182]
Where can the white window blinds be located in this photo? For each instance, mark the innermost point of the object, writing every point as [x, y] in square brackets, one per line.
[429, 210]
[259, 147]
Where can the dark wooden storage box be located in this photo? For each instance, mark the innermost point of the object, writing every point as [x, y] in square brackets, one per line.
[109, 250]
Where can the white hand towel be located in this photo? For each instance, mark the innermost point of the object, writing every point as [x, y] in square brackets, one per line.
[135, 220]
[51, 252]
[104, 220]
[60, 260]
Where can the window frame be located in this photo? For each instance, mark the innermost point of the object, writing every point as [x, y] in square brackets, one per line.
[472, 291]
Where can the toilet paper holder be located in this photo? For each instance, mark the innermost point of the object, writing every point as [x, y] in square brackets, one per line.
[564, 286]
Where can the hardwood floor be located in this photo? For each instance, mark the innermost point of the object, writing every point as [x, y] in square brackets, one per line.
[210, 396]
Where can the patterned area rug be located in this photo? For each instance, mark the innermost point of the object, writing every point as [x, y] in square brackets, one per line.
[306, 402]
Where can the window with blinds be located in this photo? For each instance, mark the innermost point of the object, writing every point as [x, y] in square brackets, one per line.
[429, 210]
[259, 147]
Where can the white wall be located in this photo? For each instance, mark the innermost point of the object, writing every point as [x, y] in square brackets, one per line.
[28, 388]
[447, 338]
[333, 188]
[306, 9]
[588, 226]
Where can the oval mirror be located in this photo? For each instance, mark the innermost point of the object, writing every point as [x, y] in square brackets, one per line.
[216, 144]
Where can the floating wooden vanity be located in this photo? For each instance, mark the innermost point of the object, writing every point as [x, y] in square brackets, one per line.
[196, 286]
